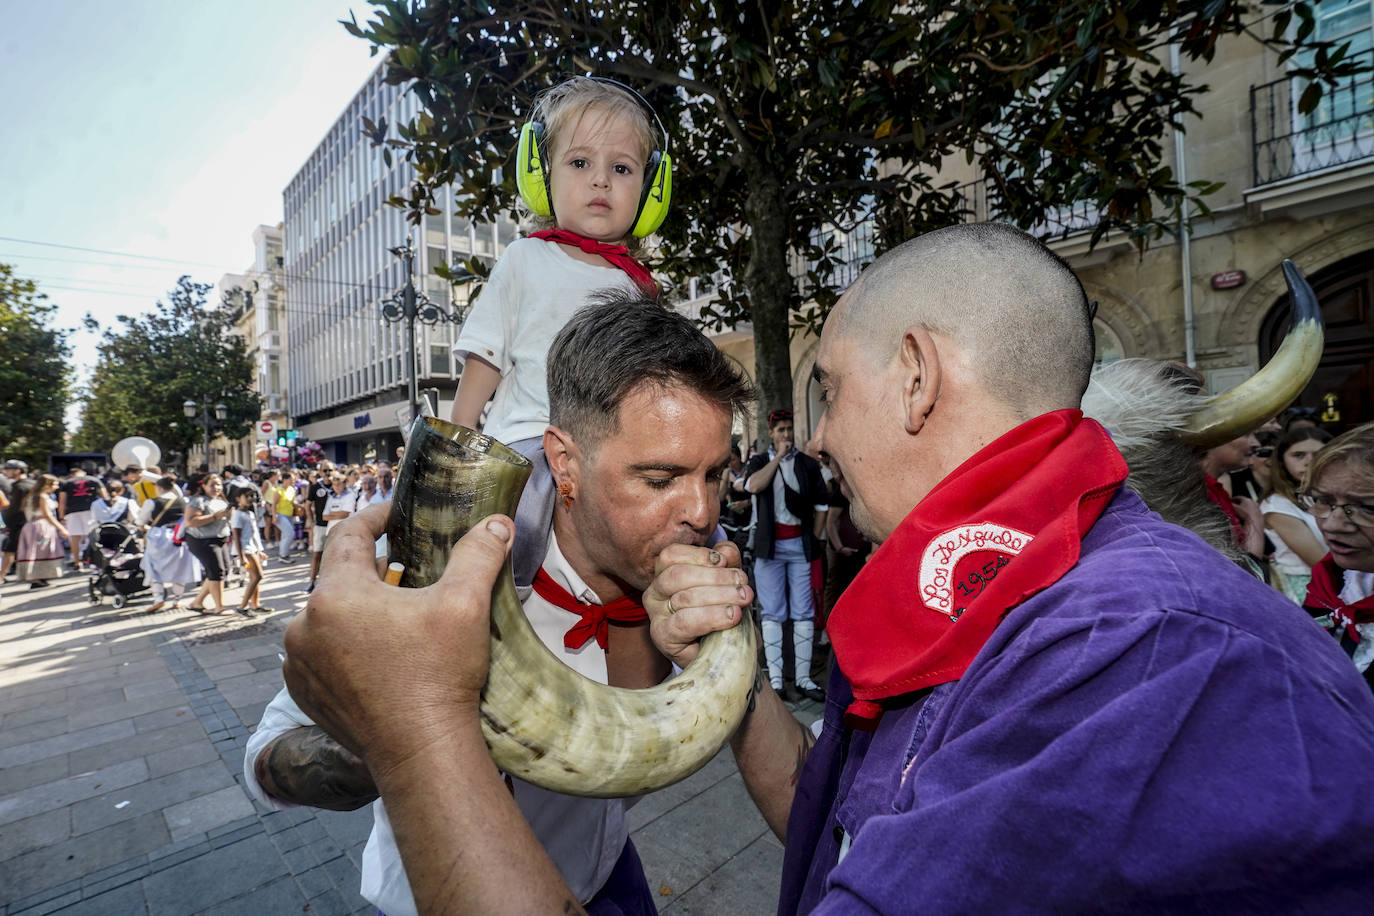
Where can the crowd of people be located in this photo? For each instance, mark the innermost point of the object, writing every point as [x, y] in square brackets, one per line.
[196, 531]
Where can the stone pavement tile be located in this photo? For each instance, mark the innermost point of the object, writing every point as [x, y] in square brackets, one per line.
[135, 746]
[30, 833]
[162, 718]
[152, 685]
[205, 812]
[652, 806]
[333, 903]
[232, 669]
[36, 772]
[717, 824]
[251, 714]
[187, 755]
[124, 900]
[666, 869]
[47, 706]
[52, 796]
[279, 896]
[62, 743]
[24, 734]
[50, 905]
[113, 706]
[346, 828]
[256, 691]
[50, 866]
[151, 795]
[232, 871]
[746, 884]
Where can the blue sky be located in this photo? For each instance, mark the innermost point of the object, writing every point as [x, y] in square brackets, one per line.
[162, 129]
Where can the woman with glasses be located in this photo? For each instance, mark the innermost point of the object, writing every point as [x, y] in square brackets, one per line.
[1297, 542]
[1340, 493]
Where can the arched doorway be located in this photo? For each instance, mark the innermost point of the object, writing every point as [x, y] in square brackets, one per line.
[1346, 293]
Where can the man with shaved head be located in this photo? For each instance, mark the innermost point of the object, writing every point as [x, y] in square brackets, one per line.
[1047, 699]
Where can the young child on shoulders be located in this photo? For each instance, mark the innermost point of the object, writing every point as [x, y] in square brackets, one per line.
[593, 176]
[597, 177]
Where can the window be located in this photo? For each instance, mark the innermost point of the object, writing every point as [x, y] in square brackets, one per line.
[1346, 109]
[439, 359]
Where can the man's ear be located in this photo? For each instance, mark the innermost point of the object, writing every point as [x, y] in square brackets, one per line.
[920, 362]
[563, 455]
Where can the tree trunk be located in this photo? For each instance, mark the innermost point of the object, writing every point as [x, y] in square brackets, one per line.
[770, 295]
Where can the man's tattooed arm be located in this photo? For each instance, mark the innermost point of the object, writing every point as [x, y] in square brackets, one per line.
[307, 767]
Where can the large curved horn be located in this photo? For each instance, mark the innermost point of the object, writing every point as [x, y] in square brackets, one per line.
[1242, 409]
[544, 722]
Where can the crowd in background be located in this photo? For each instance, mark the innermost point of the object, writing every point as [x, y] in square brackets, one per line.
[201, 531]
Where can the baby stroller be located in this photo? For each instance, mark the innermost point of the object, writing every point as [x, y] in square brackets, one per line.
[115, 552]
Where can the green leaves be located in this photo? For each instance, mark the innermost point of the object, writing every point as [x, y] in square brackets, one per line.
[34, 372]
[150, 364]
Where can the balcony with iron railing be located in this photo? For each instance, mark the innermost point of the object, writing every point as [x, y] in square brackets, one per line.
[1287, 143]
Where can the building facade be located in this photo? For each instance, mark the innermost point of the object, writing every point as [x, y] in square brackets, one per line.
[1298, 186]
[347, 383]
[256, 299]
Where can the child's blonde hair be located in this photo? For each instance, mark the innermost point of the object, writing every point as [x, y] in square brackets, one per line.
[563, 107]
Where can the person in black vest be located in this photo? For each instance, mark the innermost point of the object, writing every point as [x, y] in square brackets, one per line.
[790, 503]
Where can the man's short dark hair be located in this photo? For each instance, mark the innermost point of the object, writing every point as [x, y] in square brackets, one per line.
[134, 469]
[625, 339]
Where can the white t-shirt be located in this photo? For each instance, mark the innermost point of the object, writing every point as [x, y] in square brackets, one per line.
[347, 501]
[1284, 558]
[583, 836]
[532, 292]
[247, 525]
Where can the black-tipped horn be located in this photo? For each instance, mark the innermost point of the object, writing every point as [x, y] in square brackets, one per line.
[1245, 407]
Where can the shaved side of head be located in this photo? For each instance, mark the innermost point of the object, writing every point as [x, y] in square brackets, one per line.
[1012, 304]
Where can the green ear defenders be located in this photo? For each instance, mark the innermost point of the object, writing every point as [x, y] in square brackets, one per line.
[532, 172]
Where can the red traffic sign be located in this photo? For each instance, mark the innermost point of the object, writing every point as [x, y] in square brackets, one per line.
[266, 429]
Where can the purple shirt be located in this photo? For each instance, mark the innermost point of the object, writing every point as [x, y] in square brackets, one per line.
[1156, 732]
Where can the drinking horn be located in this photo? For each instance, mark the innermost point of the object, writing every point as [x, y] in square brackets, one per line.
[544, 722]
[1245, 407]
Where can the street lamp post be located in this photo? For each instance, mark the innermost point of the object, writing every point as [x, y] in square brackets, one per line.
[190, 408]
[409, 305]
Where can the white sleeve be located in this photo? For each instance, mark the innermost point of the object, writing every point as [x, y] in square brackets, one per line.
[281, 716]
[488, 327]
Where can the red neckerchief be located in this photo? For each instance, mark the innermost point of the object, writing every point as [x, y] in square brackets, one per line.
[1217, 494]
[596, 618]
[1324, 596]
[931, 595]
[618, 255]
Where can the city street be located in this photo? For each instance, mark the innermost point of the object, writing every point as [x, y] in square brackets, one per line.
[121, 746]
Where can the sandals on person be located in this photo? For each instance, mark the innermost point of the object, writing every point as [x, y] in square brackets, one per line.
[205, 613]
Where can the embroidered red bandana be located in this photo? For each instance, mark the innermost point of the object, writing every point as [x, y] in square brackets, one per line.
[618, 255]
[1324, 596]
[1004, 525]
[596, 618]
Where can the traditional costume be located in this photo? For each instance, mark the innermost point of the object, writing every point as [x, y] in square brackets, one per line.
[1048, 699]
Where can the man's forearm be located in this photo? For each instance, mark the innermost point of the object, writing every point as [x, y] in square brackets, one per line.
[307, 767]
[439, 801]
[770, 749]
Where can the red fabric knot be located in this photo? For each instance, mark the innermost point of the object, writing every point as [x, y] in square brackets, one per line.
[618, 255]
[1005, 524]
[596, 618]
[1324, 597]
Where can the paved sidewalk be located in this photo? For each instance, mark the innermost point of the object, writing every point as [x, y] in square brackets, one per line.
[121, 747]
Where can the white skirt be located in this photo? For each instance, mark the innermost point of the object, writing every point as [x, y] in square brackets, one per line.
[169, 563]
